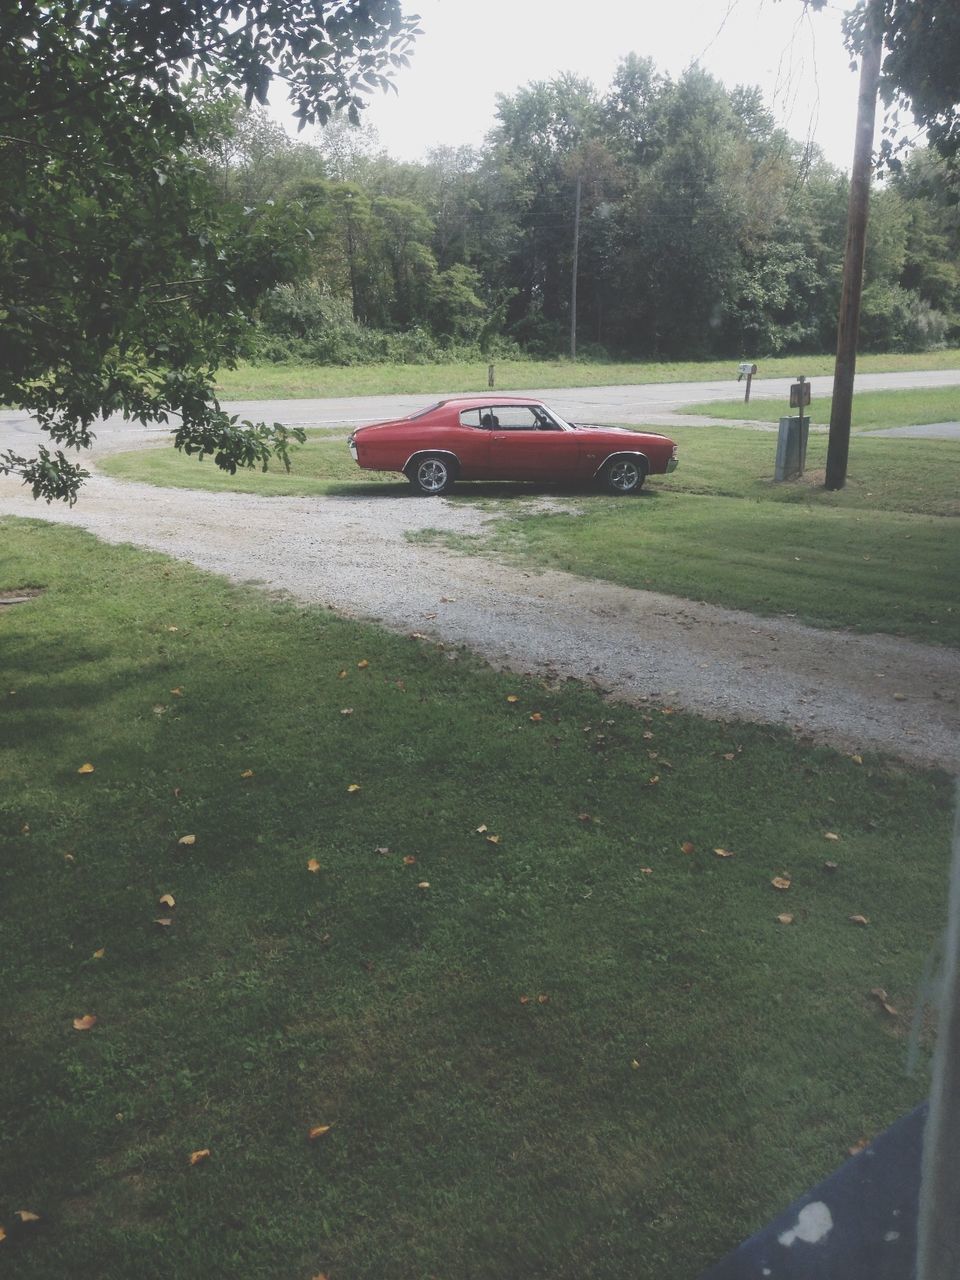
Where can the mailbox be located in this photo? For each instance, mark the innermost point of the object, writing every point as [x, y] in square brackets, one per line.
[745, 369]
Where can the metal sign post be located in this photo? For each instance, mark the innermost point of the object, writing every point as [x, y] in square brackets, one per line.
[792, 439]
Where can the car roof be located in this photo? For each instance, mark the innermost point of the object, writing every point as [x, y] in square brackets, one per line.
[479, 402]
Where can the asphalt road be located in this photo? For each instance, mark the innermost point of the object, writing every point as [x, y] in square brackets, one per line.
[650, 404]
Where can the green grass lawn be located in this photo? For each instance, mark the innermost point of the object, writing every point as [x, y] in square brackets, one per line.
[580, 1052]
[877, 555]
[871, 409]
[291, 381]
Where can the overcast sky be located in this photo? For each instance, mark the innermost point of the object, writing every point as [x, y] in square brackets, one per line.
[470, 52]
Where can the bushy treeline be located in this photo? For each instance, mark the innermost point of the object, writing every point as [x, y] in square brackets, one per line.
[704, 230]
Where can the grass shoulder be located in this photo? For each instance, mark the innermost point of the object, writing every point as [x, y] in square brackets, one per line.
[872, 410]
[294, 381]
[348, 948]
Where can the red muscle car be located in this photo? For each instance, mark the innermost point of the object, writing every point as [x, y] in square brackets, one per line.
[508, 438]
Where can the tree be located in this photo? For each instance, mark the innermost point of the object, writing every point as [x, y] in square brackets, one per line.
[920, 71]
[125, 279]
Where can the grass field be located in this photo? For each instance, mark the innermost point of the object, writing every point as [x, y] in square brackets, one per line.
[871, 409]
[581, 1051]
[877, 555]
[291, 381]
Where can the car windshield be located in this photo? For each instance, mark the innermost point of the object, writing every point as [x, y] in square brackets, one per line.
[561, 422]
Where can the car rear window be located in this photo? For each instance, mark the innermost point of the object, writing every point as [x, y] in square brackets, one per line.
[422, 413]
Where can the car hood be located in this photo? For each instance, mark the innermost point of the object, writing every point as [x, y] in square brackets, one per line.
[618, 431]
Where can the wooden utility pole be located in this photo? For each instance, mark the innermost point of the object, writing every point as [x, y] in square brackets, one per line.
[573, 279]
[848, 326]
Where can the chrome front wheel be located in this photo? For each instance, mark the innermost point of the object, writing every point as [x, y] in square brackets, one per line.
[624, 475]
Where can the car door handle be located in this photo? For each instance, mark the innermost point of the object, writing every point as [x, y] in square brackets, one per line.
[499, 437]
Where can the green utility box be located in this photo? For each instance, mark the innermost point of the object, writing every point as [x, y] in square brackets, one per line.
[791, 448]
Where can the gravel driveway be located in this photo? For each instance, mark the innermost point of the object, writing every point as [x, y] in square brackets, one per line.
[349, 553]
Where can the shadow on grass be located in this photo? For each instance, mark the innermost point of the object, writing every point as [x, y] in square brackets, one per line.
[501, 490]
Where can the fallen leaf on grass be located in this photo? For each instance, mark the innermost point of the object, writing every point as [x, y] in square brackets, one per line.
[899, 697]
[482, 828]
[346, 711]
[341, 675]
[512, 697]
[536, 717]
[652, 782]
[3, 1235]
[25, 1215]
[780, 882]
[409, 860]
[830, 835]
[830, 866]
[382, 849]
[168, 900]
[354, 786]
[85, 1023]
[857, 759]
[724, 853]
[99, 954]
[884, 1003]
[187, 840]
[493, 839]
[177, 792]
[197, 1156]
[69, 857]
[247, 773]
[178, 691]
[524, 999]
[164, 922]
[424, 884]
[861, 920]
[785, 919]
[647, 736]
[688, 847]
[543, 998]
[318, 1131]
[85, 768]
[314, 865]
[858, 1146]
[159, 709]
[646, 871]
[173, 628]
[729, 755]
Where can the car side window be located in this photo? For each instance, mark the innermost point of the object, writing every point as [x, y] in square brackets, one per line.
[515, 417]
[470, 418]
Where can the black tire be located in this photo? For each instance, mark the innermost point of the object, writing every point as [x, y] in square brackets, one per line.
[432, 474]
[624, 476]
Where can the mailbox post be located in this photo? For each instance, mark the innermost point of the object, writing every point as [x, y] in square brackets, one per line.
[746, 370]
